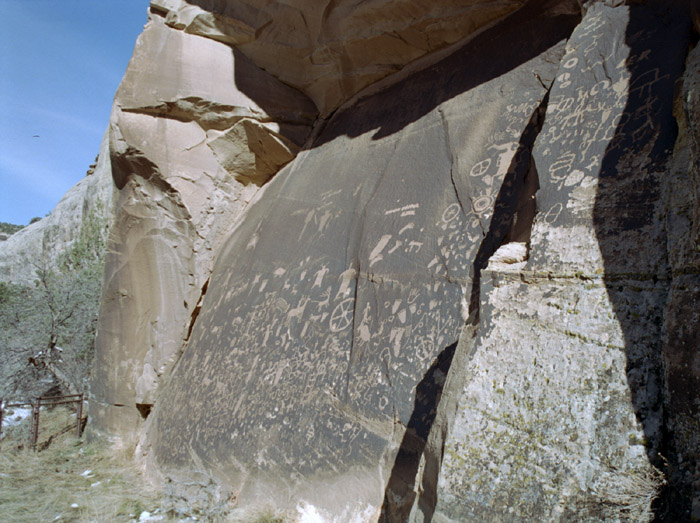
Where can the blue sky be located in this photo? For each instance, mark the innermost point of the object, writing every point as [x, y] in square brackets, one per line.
[61, 62]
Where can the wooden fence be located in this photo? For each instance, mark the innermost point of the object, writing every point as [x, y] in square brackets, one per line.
[47, 402]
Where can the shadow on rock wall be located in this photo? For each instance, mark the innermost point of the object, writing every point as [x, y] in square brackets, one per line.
[525, 34]
[629, 224]
[400, 488]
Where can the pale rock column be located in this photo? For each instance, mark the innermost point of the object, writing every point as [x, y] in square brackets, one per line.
[189, 148]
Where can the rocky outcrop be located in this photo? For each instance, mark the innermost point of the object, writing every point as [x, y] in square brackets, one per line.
[39, 245]
[330, 50]
[459, 291]
[561, 406]
[189, 150]
[196, 130]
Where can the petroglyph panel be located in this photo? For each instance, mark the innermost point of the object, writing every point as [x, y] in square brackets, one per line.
[607, 133]
[350, 274]
[546, 417]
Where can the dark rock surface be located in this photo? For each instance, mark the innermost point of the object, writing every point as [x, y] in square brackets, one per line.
[312, 342]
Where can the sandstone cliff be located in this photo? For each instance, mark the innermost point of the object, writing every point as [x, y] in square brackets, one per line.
[408, 260]
[39, 244]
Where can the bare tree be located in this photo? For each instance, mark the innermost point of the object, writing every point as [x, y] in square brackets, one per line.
[49, 328]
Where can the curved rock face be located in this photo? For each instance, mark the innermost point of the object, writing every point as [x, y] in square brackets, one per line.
[331, 49]
[466, 295]
[39, 244]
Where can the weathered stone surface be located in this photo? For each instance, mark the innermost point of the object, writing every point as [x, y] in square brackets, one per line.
[469, 295]
[334, 307]
[181, 184]
[330, 50]
[561, 408]
[682, 316]
[39, 245]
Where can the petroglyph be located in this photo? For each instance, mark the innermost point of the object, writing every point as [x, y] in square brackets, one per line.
[406, 210]
[375, 255]
[451, 213]
[379, 252]
[342, 315]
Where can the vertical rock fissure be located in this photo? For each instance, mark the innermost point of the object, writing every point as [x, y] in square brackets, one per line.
[512, 209]
[197, 308]
[517, 192]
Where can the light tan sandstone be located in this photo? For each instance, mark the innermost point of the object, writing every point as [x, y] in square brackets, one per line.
[189, 150]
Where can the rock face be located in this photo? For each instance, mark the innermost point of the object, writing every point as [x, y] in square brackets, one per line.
[189, 149]
[562, 402]
[332, 49]
[384, 217]
[465, 293]
[39, 244]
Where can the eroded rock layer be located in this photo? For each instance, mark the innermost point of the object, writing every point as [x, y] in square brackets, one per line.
[189, 150]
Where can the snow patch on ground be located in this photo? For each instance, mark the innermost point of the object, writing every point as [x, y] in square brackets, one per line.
[18, 414]
[310, 514]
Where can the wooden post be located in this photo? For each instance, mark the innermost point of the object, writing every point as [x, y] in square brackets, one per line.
[34, 436]
[79, 416]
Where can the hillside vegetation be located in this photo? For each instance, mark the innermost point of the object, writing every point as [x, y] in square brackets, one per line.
[9, 229]
[49, 327]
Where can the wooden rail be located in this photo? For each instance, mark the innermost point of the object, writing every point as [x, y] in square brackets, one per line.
[48, 401]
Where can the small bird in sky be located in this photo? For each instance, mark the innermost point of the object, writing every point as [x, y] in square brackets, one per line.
[35, 136]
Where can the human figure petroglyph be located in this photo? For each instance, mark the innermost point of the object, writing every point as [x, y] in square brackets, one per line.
[318, 280]
[375, 254]
[346, 278]
[296, 314]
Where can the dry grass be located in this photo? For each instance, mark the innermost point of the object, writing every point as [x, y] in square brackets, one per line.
[69, 480]
[628, 496]
[53, 485]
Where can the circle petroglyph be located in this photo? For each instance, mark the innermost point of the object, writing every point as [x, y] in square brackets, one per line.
[553, 214]
[341, 317]
[571, 63]
[480, 168]
[482, 203]
[450, 213]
